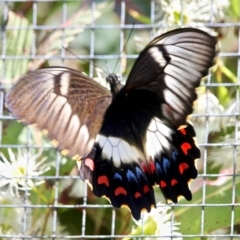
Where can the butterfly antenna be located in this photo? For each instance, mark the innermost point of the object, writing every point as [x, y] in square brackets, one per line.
[108, 67]
[124, 47]
[66, 49]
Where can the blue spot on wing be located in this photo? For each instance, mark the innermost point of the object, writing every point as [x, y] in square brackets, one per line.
[174, 155]
[159, 168]
[140, 173]
[131, 176]
[166, 164]
[117, 176]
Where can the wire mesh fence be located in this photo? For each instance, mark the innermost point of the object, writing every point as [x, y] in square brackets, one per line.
[42, 195]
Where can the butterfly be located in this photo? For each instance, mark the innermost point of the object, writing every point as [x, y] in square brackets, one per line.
[133, 137]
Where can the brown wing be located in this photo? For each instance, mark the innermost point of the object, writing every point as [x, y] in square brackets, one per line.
[65, 102]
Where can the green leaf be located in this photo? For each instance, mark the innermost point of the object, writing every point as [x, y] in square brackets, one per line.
[73, 27]
[216, 217]
[235, 8]
[139, 17]
[19, 39]
[11, 132]
[231, 76]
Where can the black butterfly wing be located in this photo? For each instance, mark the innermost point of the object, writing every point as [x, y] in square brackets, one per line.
[135, 151]
[66, 103]
[171, 67]
[141, 142]
[115, 165]
[175, 158]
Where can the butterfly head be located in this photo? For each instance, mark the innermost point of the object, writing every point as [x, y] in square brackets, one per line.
[114, 82]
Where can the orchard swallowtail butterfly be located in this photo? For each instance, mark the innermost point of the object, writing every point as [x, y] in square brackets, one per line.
[133, 137]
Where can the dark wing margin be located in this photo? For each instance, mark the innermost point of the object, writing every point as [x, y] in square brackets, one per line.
[112, 171]
[66, 103]
[171, 67]
[125, 185]
[176, 167]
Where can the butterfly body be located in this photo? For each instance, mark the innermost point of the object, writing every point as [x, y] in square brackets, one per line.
[126, 167]
[135, 136]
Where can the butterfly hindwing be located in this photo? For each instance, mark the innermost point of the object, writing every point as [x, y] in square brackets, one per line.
[129, 182]
[66, 103]
[125, 185]
[176, 167]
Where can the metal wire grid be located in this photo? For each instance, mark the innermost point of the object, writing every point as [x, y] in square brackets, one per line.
[121, 8]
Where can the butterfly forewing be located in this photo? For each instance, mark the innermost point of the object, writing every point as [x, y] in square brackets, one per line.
[65, 102]
[172, 66]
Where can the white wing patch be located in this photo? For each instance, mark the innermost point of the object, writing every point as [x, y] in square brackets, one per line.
[74, 124]
[173, 100]
[157, 56]
[83, 135]
[64, 83]
[54, 71]
[158, 138]
[119, 150]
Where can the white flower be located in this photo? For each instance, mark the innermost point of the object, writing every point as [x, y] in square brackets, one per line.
[227, 156]
[232, 111]
[159, 223]
[207, 104]
[35, 228]
[190, 11]
[16, 173]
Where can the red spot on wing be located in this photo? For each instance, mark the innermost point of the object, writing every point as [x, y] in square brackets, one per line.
[152, 167]
[103, 180]
[183, 131]
[146, 189]
[173, 182]
[120, 190]
[144, 167]
[137, 195]
[89, 162]
[162, 184]
[185, 147]
[182, 167]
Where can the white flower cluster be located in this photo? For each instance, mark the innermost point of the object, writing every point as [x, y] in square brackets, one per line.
[190, 11]
[17, 173]
[158, 223]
